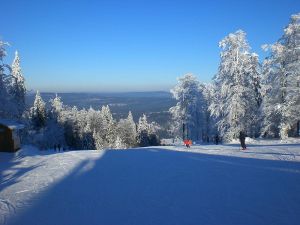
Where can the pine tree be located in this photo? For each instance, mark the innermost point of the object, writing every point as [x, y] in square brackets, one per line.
[235, 102]
[108, 126]
[126, 130]
[38, 112]
[105, 135]
[57, 105]
[5, 105]
[119, 144]
[69, 119]
[143, 131]
[131, 131]
[98, 140]
[18, 89]
[55, 129]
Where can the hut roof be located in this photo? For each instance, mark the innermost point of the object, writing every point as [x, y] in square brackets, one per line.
[11, 124]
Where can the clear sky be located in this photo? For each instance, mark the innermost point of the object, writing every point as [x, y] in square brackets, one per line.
[99, 46]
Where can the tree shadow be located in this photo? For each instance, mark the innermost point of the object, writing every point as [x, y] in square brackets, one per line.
[158, 186]
[10, 169]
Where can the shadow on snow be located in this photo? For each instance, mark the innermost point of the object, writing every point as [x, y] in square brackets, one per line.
[156, 186]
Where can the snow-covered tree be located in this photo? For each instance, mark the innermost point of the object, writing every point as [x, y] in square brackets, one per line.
[108, 126]
[69, 119]
[210, 130]
[78, 134]
[143, 131]
[126, 131]
[188, 114]
[119, 144]
[56, 109]
[54, 129]
[131, 130]
[281, 105]
[38, 112]
[17, 89]
[105, 137]
[153, 134]
[94, 120]
[84, 132]
[235, 100]
[98, 140]
[5, 104]
[57, 105]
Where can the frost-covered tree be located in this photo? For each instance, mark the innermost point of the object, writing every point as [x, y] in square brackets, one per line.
[78, 134]
[281, 105]
[6, 107]
[126, 131]
[38, 112]
[57, 106]
[69, 119]
[108, 126]
[94, 120]
[85, 134]
[235, 100]
[210, 130]
[131, 131]
[153, 134]
[105, 137]
[147, 132]
[143, 130]
[54, 129]
[99, 141]
[119, 144]
[17, 89]
[188, 114]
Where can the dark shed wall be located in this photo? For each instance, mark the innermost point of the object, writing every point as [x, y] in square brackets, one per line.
[6, 141]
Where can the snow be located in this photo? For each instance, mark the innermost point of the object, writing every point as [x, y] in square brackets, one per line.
[206, 184]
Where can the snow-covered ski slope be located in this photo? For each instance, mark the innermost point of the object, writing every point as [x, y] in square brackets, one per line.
[206, 185]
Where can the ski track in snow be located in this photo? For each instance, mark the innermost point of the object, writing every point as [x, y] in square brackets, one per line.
[28, 175]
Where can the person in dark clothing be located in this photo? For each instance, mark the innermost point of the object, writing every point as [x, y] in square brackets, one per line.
[217, 139]
[58, 146]
[242, 138]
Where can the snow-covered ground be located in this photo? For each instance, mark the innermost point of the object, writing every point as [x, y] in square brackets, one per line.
[208, 184]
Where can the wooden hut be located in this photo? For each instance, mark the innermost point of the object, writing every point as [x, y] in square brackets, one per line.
[10, 135]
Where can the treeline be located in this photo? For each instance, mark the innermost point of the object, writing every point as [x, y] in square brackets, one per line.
[259, 99]
[85, 129]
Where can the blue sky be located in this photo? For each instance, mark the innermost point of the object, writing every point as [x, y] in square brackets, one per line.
[133, 45]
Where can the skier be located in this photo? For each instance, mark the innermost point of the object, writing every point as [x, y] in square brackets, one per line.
[217, 139]
[187, 143]
[242, 138]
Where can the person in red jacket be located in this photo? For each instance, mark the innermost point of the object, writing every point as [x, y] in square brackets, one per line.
[187, 143]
